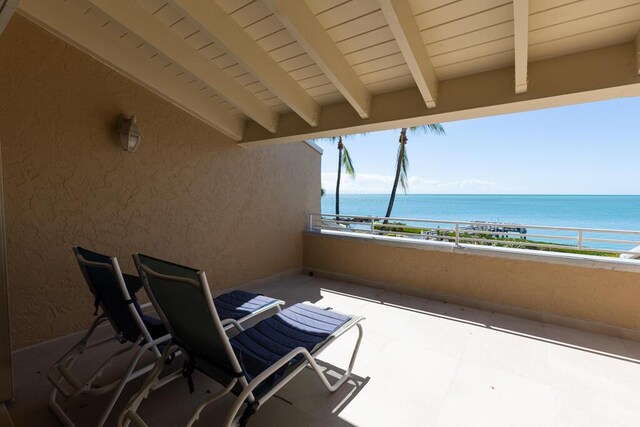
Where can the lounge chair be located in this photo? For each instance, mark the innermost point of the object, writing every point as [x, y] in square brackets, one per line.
[115, 295]
[253, 364]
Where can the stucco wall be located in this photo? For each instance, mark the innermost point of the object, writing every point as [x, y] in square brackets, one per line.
[188, 194]
[594, 294]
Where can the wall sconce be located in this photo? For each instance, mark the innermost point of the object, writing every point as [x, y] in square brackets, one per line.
[130, 135]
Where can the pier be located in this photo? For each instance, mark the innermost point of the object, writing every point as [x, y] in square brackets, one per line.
[500, 229]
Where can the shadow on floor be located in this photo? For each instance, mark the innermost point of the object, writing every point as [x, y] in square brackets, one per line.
[571, 338]
[305, 401]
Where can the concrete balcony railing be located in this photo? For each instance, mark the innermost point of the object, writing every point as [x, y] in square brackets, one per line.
[586, 291]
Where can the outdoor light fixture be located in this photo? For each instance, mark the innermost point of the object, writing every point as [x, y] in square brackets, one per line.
[130, 135]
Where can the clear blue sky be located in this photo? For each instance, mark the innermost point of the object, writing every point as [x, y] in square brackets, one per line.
[581, 149]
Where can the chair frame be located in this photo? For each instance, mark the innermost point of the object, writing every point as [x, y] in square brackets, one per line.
[70, 387]
[153, 381]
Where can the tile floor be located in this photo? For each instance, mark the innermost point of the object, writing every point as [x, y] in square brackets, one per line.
[422, 363]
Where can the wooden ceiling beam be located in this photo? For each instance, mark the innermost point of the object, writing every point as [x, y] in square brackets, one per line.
[405, 29]
[66, 22]
[521, 43]
[637, 44]
[300, 21]
[212, 20]
[138, 21]
[589, 76]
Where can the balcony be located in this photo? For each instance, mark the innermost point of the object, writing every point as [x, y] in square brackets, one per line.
[422, 362]
[227, 96]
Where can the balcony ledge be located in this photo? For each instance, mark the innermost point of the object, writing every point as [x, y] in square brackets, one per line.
[575, 260]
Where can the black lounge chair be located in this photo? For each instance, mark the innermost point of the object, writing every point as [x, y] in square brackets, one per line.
[115, 295]
[253, 364]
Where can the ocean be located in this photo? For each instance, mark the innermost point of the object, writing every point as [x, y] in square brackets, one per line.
[608, 212]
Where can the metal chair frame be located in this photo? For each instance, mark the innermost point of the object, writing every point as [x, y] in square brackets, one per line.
[69, 387]
[153, 381]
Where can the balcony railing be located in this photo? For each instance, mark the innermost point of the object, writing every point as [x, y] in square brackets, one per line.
[588, 241]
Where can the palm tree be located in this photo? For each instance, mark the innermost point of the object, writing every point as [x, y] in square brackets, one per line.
[344, 161]
[402, 161]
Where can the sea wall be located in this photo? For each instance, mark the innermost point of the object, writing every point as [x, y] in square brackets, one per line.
[188, 193]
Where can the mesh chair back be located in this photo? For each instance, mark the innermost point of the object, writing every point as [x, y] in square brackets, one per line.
[182, 297]
[100, 276]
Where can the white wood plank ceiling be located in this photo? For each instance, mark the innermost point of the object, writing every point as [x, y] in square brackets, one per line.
[266, 71]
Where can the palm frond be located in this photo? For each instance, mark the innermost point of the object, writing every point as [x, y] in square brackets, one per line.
[403, 163]
[352, 136]
[435, 129]
[347, 163]
[331, 139]
[334, 139]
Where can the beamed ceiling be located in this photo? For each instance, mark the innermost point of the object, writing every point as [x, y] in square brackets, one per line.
[268, 71]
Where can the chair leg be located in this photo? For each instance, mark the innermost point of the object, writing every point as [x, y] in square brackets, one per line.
[247, 392]
[89, 388]
[125, 379]
[347, 374]
[62, 372]
[153, 382]
[59, 371]
[57, 410]
[210, 399]
[130, 411]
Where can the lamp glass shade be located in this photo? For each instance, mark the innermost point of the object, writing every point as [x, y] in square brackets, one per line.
[130, 135]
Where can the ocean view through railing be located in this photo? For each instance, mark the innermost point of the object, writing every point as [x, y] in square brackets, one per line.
[587, 241]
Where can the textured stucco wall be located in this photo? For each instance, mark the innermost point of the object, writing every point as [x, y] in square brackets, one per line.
[600, 295]
[188, 194]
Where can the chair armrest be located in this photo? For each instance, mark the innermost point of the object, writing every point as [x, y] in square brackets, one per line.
[146, 305]
[230, 323]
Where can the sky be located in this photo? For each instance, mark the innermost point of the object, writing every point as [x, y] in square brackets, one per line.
[580, 149]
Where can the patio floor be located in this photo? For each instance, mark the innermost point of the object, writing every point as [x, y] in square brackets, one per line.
[422, 363]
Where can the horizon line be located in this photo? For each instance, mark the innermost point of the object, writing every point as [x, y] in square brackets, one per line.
[482, 194]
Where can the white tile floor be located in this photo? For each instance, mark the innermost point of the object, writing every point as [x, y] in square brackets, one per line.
[422, 363]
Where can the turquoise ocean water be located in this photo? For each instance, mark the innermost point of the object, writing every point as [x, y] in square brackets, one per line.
[608, 212]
